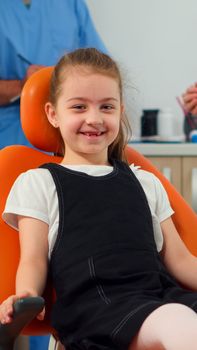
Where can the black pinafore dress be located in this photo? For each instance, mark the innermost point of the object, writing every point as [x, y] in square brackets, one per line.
[105, 267]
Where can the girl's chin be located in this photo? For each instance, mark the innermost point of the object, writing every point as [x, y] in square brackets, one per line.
[97, 154]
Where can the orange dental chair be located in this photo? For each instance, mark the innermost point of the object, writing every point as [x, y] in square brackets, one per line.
[17, 159]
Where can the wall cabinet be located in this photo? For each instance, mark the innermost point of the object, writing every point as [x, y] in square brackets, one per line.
[181, 171]
[178, 162]
[189, 183]
[171, 167]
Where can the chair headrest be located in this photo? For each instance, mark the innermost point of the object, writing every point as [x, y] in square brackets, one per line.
[35, 124]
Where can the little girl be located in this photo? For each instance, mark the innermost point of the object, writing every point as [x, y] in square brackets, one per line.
[101, 226]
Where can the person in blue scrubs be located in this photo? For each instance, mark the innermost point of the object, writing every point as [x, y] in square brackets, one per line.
[34, 34]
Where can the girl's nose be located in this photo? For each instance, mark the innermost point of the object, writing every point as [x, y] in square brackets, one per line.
[94, 117]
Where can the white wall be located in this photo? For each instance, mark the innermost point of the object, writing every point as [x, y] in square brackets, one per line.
[156, 43]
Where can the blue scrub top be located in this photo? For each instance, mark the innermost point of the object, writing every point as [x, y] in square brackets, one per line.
[39, 34]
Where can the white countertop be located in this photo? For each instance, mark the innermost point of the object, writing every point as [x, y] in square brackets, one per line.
[165, 149]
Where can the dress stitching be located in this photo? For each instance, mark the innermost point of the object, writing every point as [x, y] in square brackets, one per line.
[61, 205]
[194, 304]
[98, 285]
[128, 316]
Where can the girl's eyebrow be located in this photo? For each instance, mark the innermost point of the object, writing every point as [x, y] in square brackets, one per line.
[86, 99]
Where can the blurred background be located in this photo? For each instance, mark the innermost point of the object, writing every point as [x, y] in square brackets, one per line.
[155, 43]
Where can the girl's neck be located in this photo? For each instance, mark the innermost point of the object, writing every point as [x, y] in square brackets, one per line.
[86, 160]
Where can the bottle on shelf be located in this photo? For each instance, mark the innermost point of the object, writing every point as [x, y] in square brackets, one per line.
[166, 124]
[149, 129]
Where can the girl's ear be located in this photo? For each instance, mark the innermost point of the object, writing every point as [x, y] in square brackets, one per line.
[51, 114]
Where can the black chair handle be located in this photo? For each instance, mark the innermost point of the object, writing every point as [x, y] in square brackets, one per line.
[25, 310]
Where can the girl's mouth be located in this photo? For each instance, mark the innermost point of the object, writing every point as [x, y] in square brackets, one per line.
[92, 133]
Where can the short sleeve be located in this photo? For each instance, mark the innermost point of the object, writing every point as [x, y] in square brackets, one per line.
[158, 201]
[155, 192]
[28, 197]
[163, 208]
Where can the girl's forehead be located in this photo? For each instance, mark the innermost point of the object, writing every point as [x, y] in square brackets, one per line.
[95, 87]
[81, 77]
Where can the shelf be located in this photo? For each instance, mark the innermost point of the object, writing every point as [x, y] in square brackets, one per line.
[165, 149]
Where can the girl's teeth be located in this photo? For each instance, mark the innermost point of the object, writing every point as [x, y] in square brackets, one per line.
[93, 133]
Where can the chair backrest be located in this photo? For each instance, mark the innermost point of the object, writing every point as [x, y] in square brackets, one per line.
[17, 159]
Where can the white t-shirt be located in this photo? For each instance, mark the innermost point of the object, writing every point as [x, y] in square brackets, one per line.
[34, 194]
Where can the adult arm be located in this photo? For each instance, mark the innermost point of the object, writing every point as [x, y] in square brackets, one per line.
[9, 89]
[177, 258]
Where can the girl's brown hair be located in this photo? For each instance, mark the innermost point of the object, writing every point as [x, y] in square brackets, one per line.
[98, 62]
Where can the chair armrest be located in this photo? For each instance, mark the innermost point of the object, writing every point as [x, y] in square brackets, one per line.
[25, 310]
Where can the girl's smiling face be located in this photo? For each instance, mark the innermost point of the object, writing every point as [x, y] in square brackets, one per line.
[88, 113]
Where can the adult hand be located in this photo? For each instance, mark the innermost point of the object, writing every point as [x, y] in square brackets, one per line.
[190, 99]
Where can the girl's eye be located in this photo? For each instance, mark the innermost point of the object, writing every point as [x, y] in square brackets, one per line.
[79, 107]
[107, 107]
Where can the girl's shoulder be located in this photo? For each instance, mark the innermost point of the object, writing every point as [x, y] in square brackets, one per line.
[155, 192]
[34, 184]
[144, 175]
[31, 195]
[149, 181]
[39, 176]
